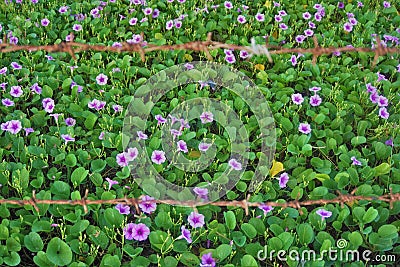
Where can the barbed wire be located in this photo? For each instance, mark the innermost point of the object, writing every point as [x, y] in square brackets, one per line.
[202, 46]
[245, 203]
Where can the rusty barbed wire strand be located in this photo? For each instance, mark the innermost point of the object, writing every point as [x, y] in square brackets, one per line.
[203, 46]
[244, 204]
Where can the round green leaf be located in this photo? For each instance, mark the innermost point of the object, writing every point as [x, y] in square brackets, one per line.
[58, 252]
[33, 242]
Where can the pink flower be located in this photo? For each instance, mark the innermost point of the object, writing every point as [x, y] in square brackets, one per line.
[204, 147]
[123, 209]
[315, 100]
[111, 183]
[297, 99]
[141, 135]
[158, 157]
[101, 79]
[131, 154]
[48, 105]
[206, 117]
[265, 208]
[147, 204]
[182, 146]
[160, 119]
[122, 160]
[13, 126]
[185, 234]
[324, 213]
[260, 17]
[139, 232]
[196, 220]
[305, 128]
[283, 179]
[235, 164]
[16, 91]
[383, 113]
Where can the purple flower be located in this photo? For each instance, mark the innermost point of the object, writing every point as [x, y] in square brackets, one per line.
[311, 25]
[196, 220]
[182, 146]
[317, 17]
[63, 9]
[169, 24]
[69, 37]
[204, 147]
[278, 18]
[156, 13]
[185, 233]
[382, 101]
[158, 157]
[96, 104]
[16, 91]
[260, 17]
[340, 5]
[3, 70]
[160, 119]
[265, 208]
[147, 11]
[360, 4]
[348, 27]
[297, 99]
[101, 79]
[123, 209]
[133, 21]
[374, 97]
[315, 100]
[131, 154]
[389, 142]
[235, 164]
[175, 132]
[306, 15]
[386, 4]
[282, 13]
[141, 135]
[201, 192]
[138, 232]
[101, 135]
[70, 121]
[230, 59]
[305, 128]
[45, 22]
[77, 27]
[14, 40]
[283, 26]
[13, 126]
[122, 160]
[300, 38]
[353, 21]
[355, 161]
[370, 88]
[383, 113]
[315, 89]
[381, 77]
[293, 59]
[147, 204]
[178, 24]
[206, 117]
[188, 66]
[283, 179]
[7, 102]
[244, 54]
[309, 32]
[207, 260]
[48, 105]
[67, 138]
[117, 108]
[111, 183]
[228, 5]
[324, 213]
[241, 19]
[28, 131]
[55, 116]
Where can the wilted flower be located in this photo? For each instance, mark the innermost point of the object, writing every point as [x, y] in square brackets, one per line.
[67, 138]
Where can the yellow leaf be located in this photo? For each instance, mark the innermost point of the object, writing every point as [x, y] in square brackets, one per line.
[259, 67]
[268, 4]
[275, 34]
[277, 167]
[188, 57]
[194, 154]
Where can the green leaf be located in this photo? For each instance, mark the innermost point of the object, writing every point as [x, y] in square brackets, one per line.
[305, 233]
[230, 219]
[223, 251]
[370, 215]
[356, 239]
[98, 165]
[249, 230]
[70, 160]
[189, 259]
[163, 220]
[58, 252]
[358, 140]
[90, 121]
[382, 169]
[110, 261]
[113, 217]
[78, 175]
[13, 259]
[248, 261]
[33, 242]
[388, 231]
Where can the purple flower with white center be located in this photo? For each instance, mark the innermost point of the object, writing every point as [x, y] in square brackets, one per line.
[201, 192]
[101, 135]
[182, 146]
[133, 21]
[156, 13]
[293, 59]
[265, 208]
[311, 25]
[300, 38]
[283, 26]
[348, 27]
[353, 21]
[178, 24]
[306, 15]
[374, 97]
[315, 100]
[207, 260]
[147, 204]
[147, 11]
[175, 132]
[386, 4]
[48, 105]
[70, 121]
[16, 66]
[241, 19]
[123, 209]
[16, 91]
[381, 77]
[13, 126]
[101, 79]
[45, 22]
[185, 233]
[389, 142]
[370, 88]
[3, 70]
[355, 161]
[160, 119]
[158, 157]
[139, 232]
[7, 102]
[324, 213]
[383, 113]
[228, 52]
[297, 99]
[141, 135]
[260, 17]
[382, 101]
[122, 160]
[204, 147]
[278, 18]
[228, 5]
[111, 183]
[196, 220]
[283, 179]
[309, 32]
[117, 108]
[169, 24]
[234, 164]
[77, 27]
[244, 54]
[28, 131]
[67, 138]
[131, 154]
[206, 117]
[305, 128]
[230, 59]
